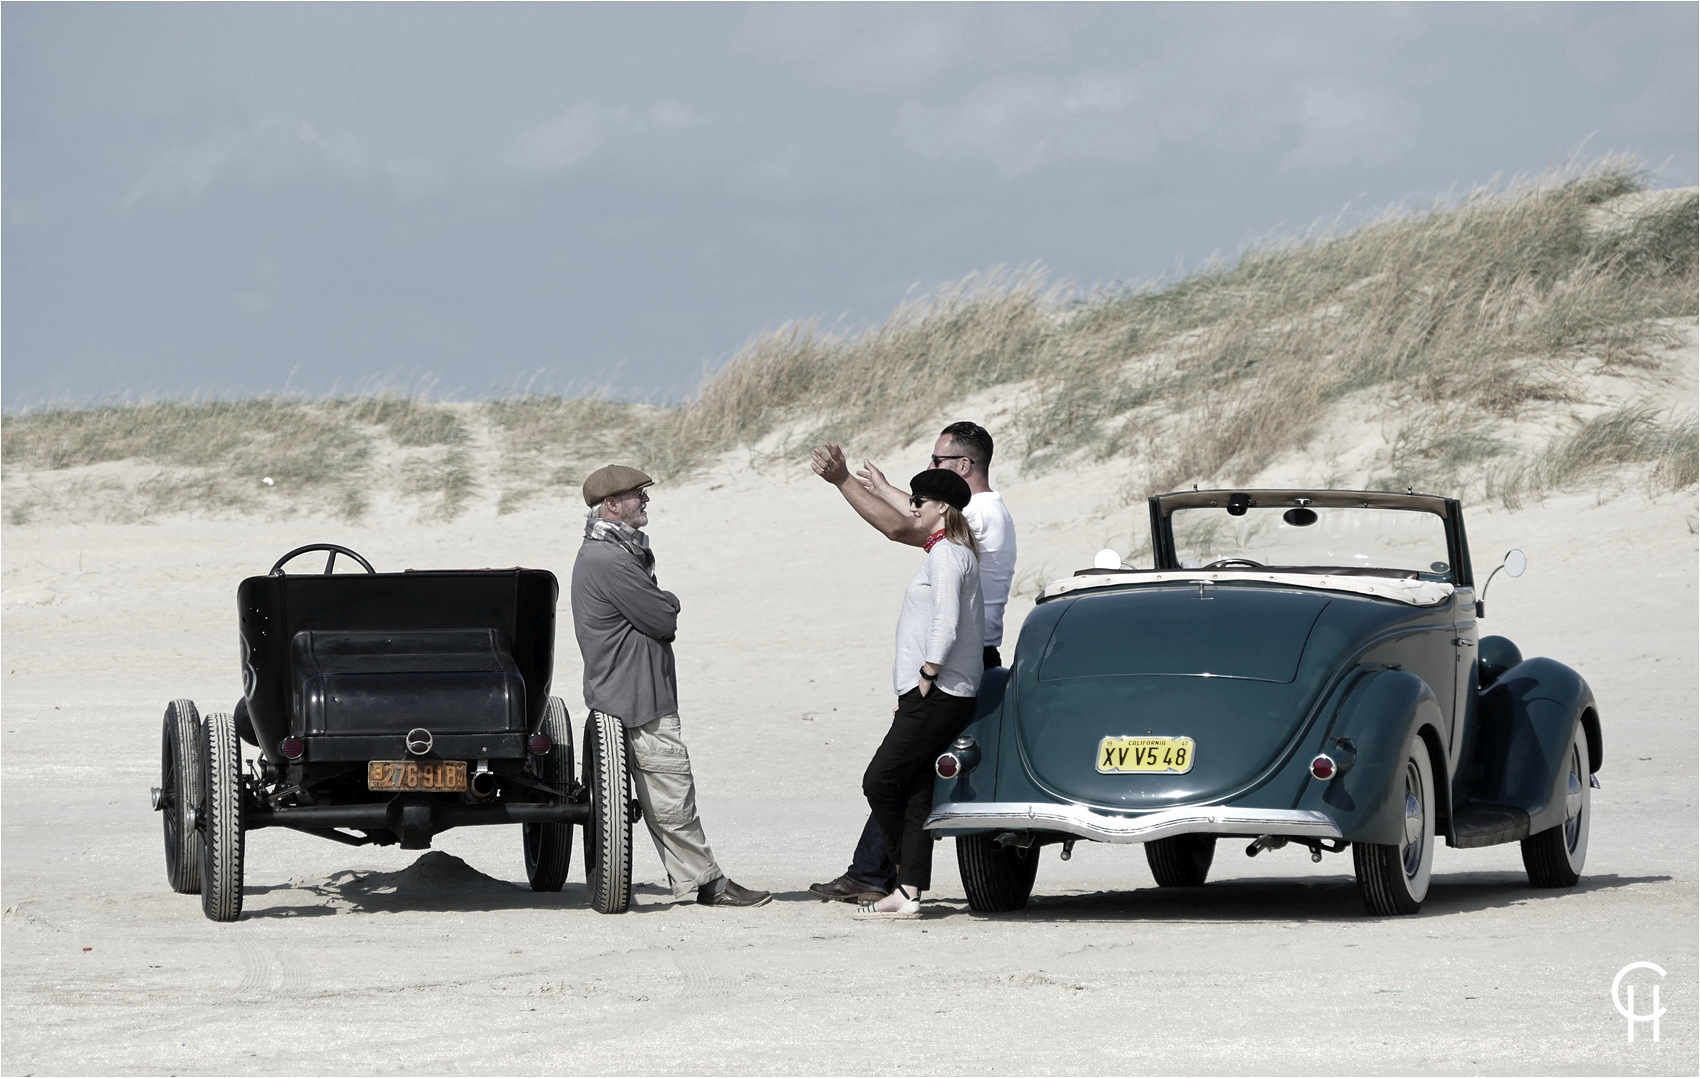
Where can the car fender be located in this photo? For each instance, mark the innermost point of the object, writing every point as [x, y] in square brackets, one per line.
[1526, 719]
[1378, 716]
[986, 728]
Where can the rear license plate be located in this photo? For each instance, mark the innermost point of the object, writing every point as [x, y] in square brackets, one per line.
[431, 776]
[1145, 755]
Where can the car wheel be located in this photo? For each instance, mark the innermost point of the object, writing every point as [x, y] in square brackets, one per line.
[549, 846]
[180, 765]
[1554, 857]
[1180, 860]
[608, 833]
[1393, 879]
[221, 820]
[996, 880]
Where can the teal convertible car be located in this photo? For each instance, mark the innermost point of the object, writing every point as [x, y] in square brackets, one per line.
[1299, 667]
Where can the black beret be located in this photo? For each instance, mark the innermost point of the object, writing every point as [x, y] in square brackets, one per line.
[942, 485]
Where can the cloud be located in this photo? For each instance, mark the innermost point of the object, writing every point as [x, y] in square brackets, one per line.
[274, 149]
[1124, 117]
[857, 45]
[1342, 124]
[265, 150]
[1020, 126]
[565, 142]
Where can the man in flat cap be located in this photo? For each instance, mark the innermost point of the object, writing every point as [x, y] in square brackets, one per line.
[625, 626]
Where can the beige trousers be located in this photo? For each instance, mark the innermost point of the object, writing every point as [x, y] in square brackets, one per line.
[661, 771]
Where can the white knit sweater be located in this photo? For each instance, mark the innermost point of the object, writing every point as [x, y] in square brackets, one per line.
[943, 621]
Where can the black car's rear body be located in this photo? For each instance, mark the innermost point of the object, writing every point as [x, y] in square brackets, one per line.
[387, 708]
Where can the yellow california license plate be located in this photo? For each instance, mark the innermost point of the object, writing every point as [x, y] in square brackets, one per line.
[1145, 755]
[431, 776]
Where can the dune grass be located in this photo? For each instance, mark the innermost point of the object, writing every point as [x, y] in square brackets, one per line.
[1447, 326]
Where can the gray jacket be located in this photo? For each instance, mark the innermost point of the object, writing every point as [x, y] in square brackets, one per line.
[625, 625]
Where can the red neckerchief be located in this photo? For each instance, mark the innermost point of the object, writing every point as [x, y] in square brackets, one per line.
[932, 541]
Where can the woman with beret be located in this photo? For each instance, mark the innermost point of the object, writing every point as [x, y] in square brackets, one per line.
[936, 675]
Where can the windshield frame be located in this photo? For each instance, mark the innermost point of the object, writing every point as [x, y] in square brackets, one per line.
[1450, 510]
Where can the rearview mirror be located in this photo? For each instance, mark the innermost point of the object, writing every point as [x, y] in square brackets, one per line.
[1106, 559]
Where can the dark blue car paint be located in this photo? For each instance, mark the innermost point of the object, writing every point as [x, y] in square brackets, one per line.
[1373, 671]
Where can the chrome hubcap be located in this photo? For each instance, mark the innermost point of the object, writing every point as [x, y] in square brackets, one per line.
[1573, 801]
[1412, 854]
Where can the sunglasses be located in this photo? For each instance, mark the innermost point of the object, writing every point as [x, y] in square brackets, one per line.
[916, 501]
[938, 460]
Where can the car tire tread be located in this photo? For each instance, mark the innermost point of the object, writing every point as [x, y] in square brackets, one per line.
[608, 834]
[222, 821]
[1383, 882]
[181, 763]
[1181, 860]
[1548, 858]
[996, 880]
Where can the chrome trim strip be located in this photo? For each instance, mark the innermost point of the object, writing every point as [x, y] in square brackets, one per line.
[1101, 827]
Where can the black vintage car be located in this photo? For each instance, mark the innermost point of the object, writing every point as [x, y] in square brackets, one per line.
[386, 708]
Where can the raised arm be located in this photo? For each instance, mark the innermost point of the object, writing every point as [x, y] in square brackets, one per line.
[890, 521]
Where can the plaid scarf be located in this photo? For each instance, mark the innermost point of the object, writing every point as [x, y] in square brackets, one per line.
[599, 530]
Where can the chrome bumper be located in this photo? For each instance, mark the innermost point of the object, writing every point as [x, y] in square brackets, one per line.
[1101, 827]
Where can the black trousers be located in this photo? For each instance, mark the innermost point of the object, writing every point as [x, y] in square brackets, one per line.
[871, 866]
[899, 779]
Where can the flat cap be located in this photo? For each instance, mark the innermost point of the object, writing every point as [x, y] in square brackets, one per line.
[613, 479]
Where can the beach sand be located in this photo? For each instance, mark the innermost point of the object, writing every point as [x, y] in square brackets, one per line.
[355, 961]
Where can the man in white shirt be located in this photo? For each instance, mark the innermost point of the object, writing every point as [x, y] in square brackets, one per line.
[966, 449]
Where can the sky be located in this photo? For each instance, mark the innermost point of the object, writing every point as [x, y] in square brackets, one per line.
[470, 200]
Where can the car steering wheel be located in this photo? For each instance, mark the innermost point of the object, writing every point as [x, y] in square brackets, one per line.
[330, 562]
[1229, 563]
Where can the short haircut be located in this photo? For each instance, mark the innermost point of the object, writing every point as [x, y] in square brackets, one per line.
[973, 438]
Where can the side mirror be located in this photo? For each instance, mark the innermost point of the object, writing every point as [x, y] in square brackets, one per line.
[1106, 559]
[1514, 564]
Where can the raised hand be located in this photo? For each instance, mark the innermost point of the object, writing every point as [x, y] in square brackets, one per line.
[828, 463]
[871, 477]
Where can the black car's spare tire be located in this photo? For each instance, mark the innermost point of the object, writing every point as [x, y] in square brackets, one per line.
[180, 767]
[221, 820]
[1393, 878]
[1554, 857]
[608, 832]
[996, 880]
[549, 846]
[1180, 860]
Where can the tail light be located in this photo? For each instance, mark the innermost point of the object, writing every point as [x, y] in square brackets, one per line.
[540, 744]
[292, 748]
[1324, 767]
[947, 766]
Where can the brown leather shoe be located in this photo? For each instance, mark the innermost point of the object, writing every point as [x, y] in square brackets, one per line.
[732, 895]
[845, 889]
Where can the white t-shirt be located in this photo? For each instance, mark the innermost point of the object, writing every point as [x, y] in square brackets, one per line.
[994, 530]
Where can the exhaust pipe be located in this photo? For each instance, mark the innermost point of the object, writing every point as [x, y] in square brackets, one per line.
[482, 784]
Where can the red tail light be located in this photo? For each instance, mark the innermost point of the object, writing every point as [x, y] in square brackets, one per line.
[292, 748]
[1323, 767]
[947, 766]
[540, 744]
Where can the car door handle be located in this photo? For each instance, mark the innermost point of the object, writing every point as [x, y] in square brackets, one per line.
[1464, 642]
